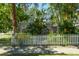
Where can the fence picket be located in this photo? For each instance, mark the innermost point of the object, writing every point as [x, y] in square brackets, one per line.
[58, 39]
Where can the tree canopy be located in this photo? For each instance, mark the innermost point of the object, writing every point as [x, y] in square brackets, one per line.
[38, 17]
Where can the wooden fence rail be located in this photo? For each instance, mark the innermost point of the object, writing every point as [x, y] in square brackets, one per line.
[69, 39]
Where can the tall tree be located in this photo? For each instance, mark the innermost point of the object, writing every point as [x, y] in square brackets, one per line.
[64, 13]
[14, 16]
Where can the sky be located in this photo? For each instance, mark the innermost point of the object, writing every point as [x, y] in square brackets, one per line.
[45, 6]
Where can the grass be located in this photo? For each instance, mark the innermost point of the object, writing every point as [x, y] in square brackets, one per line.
[5, 39]
[5, 36]
[60, 55]
[12, 54]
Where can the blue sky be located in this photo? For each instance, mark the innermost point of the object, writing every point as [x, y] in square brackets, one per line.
[45, 6]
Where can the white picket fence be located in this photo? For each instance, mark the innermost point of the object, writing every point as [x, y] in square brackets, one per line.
[69, 39]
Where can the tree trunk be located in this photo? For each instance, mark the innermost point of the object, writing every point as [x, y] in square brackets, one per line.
[13, 41]
[14, 17]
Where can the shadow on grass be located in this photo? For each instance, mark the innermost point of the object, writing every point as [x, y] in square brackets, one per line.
[30, 51]
[30, 54]
[5, 41]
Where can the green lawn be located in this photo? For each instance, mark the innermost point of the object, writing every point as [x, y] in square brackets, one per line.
[5, 38]
[60, 55]
[6, 35]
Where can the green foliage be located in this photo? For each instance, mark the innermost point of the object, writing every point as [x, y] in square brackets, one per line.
[37, 25]
[5, 18]
[21, 15]
[67, 27]
[61, 14]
